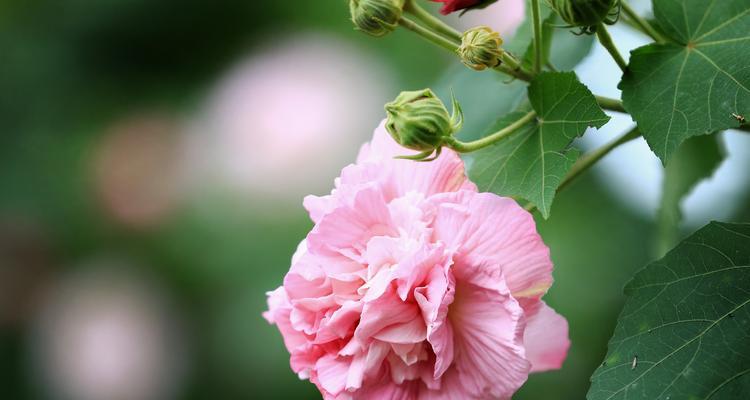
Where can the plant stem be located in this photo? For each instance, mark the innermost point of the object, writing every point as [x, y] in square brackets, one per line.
[463, 147]
[536, 13]
[641, 22]
[588, 160]
[428, 34]
[516, 73]
[606, 40]
[611, 104]
[432, 21]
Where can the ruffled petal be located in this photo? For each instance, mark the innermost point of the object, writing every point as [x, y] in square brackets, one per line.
[496, 232]
[488, 326]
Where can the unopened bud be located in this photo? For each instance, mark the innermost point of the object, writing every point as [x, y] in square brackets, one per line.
[376, 17]
[480, 48]
[418, 120]
[587, 14]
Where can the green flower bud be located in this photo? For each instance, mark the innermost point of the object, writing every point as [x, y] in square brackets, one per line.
[418, 120]
[480, 48]
[587, 14]
[376, 17]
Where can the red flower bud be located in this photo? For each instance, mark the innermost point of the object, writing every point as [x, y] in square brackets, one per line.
[455, 5]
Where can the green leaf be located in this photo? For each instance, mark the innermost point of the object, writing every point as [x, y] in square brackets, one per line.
[695, 160]
[685, 330]
[693, 86]
[532, 162]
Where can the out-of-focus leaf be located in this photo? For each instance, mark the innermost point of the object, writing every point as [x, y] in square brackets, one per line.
[685, 330]
[695, 160]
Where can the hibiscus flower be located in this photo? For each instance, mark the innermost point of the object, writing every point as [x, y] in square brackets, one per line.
[413, 285]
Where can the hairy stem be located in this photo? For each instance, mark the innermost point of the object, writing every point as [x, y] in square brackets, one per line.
[641, 22]
[610, 104]
[536, 13]
[588, 160]
[467, 147]
[432, 21]
[606, 40]
[428, 34]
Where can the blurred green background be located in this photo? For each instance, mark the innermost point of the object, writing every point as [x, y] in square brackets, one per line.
[135, 246]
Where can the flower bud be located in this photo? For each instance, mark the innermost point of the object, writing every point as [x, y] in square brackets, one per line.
[376, 17]
[587, 14]
[480, 48]
[418, 120]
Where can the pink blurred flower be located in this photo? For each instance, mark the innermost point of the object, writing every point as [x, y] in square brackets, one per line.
[414, 285]
[503, 16]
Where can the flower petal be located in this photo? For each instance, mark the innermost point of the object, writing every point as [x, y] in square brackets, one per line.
[488, 326]
[496, 232]
[546, 339]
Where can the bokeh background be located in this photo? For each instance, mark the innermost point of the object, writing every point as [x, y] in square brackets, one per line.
[153, 159]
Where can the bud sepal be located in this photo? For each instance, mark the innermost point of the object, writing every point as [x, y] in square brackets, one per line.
[376, 17]
[480, 48]
[418, 120]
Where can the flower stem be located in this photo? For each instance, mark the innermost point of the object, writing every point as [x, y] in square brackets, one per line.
[588, 160]
[432, 21]
[606, 40]
[428, 34]
[467, 147]
[641, 23]
[611, 104]
[536, 13]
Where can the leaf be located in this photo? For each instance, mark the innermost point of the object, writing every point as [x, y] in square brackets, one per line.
[532, 162]
[693, 86]
[687, 321]
[695, 160]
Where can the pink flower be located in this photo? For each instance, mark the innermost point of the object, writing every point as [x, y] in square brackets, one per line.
[412, 285]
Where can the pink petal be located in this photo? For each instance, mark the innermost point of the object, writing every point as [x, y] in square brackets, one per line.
[488, 327]
[385, 311]
[346, 230]
[494, 231]
[434, 300]
[332, 373]
[546, 339]
[413, 331]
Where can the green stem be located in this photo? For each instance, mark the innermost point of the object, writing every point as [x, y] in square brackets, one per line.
[611, 104]
[517, 73]
[428, 34]
[606, 40]
[464, 147]
[432, 21]
[536, 13]
[641, 23]
[588, 160]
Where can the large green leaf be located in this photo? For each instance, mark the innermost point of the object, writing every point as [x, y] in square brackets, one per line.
[693, 86]
[532, 162]
[695, 160]
[685, 330]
